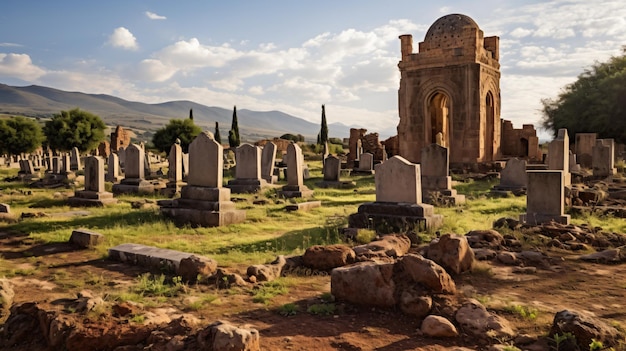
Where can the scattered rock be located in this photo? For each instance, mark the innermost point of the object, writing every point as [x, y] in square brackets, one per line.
[484, 254]
[267, 272]
[452, 252]
[223, 336]
[616, 255]
[328, 257]
[415, 303]
[484, 239]
[475, 320]
[389, 246]
[438, 327]
[585, 328]
[193, 266]
[425, 272]
[364, 283]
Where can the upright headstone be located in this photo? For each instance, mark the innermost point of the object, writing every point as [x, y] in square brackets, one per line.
[603, 162]
[398, 207]
[366, 163]
[584, 148]
[558, 155]
[436, 180]
[359, 149]
[94, 193]
[134, 181]
[185, 159]
[204, 201]
[295, 179]
[174, 171]
[268, 160]
[545, 201]
[113, 168]
[66, 164]
[332, 172]
[56, 164]
[75, 159]
[513, 176]
[248, 170]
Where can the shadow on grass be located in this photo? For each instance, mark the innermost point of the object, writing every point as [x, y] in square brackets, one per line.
[49, 203]
[288, 242]
[40, 250]
[130, 218]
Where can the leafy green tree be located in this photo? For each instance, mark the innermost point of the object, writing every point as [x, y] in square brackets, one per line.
[74, 128]
[289, 136]
[322, 137]
[233, 133]
[217, 135]
[594, 103]
[19, 135]
[183, 129]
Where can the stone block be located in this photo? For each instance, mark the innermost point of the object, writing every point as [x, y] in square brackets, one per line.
[85, 238]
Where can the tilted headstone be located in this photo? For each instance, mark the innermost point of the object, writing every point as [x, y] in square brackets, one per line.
[268, 159]
[514, 174]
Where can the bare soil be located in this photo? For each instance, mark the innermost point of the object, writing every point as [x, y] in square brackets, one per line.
[52, 274]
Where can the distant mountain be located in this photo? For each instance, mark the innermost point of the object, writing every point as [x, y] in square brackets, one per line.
[144, 119]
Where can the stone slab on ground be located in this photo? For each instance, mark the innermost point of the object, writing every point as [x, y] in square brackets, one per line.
[303, 206]
[148, 256]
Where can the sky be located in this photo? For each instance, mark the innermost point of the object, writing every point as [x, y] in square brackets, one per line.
[293, 56]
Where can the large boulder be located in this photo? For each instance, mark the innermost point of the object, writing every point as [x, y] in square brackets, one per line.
[328, 257]
[452, 252]
[223, 336]
[475, 320]
[584, 327]
[417, 269]
[389, 246]
[365, 283]
[485, 238]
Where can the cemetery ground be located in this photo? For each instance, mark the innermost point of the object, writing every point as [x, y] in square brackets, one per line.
[294, 312]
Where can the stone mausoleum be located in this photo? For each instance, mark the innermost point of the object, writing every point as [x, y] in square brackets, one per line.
[450, 92]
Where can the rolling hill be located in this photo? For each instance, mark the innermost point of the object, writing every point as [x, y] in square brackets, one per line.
[144, 119]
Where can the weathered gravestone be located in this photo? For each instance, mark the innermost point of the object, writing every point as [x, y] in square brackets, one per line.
[174, 171]
[268, 160]
[134, 181]
[513, 178]
[558, 155]
[113, 168]
[94, 193]
[436, 180]
[75, 159]
[248, 170]
[204, 202]
[295, 180]
[584, 148]
[545, 201]
[603, 162]
[332, 172]
[366, 164]
[398, 207]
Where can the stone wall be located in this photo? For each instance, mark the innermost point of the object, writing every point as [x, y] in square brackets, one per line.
[522, 143]
[120, 138]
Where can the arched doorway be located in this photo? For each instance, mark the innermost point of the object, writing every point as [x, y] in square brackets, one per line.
[438, 111]
[489, 126]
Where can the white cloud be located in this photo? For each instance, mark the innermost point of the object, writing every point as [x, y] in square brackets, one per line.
[123, 38]
[520, 32]
[154, 16]
[153, 71]
[256, 90]
[10, 45]
[19, 66]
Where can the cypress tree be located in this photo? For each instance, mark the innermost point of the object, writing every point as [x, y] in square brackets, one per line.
[217, 135]
[191, 114]
[233, 134]
[323, 136]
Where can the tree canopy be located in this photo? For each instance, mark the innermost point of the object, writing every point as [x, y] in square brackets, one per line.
[233, 133]
[184, 129]
[19, 135]
[594, 103]
[74, 128]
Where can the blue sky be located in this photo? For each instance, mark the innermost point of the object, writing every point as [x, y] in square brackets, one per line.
[290, 55]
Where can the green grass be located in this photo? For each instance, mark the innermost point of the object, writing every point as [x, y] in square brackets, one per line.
[267, 291]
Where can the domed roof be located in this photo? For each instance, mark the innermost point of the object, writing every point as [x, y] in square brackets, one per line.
[449, 25]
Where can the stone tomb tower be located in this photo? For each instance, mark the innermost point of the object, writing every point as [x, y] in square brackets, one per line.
[451, 88]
